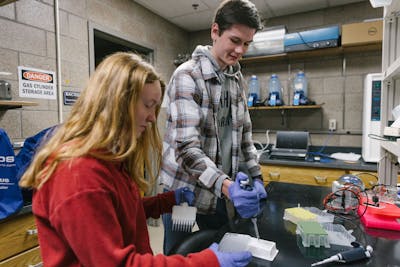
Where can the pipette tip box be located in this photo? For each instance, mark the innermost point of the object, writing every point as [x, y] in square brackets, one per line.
[298, 214]
[312, 234]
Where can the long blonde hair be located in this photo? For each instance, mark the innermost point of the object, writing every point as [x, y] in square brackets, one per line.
[102, 124]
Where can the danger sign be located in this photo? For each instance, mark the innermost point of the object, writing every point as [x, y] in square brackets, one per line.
[35, 83]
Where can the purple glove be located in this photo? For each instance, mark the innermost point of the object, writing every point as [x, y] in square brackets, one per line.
[259, 186]
[245, 198]
[262, 194]
[184, 194]
[231, 259]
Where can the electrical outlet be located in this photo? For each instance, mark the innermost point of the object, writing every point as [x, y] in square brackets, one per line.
[332, 125]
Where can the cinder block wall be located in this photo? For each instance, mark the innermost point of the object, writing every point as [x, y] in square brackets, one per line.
[27, 38]
[334, 81]
[338, 88]
[27, 31]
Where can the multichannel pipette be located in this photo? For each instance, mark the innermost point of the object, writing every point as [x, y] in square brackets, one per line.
[355, 254]
[254, 220]
[245, 184]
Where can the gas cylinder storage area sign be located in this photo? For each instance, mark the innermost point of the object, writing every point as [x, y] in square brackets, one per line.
[35, 83]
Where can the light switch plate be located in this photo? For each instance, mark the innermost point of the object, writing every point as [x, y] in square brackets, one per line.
[332, 125]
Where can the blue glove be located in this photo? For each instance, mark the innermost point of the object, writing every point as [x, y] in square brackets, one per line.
[231, 259]
[259, 186]
[262, 194]
[184, 194]
[245, 198]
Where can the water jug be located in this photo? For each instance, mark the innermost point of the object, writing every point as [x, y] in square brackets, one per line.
[300, 89]
[254, 91]
[274, 91]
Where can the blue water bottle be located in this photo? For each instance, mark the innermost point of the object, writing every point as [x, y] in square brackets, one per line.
[274, 91]
[254, 91]
[300, 89]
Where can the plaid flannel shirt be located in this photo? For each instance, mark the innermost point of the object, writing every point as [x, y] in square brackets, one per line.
[191, 148]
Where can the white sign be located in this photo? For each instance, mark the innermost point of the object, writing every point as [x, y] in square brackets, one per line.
[35, 83]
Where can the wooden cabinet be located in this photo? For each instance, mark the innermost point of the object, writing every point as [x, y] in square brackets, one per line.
[19, 242]
[313, 175]
[300, 175]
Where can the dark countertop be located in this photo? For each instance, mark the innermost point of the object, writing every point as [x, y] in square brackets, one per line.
[272, 227]
[386, 244]
[325, 162]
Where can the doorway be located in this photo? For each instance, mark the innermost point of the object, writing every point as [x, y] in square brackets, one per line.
[103, 42]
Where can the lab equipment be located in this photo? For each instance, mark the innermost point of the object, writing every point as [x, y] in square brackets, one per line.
[338, 235]
[312, 39]
[275, 87]
[371, 150]
[355, 254]
[380, 215]
[254, 221]
[300, 89]
[246, 202]
[298, 214]
[183, 217]
[245, 184]
[267, 42]
[259, 248]
[254, 91]
[312, 234]
[322, 216]
[346, 194]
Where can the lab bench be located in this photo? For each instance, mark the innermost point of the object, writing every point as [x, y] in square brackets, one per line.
[312, 172]
[272, 227]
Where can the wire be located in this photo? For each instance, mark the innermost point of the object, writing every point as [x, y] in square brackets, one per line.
[304, 41]
[263, 148]
[338, 197]
[319, 152]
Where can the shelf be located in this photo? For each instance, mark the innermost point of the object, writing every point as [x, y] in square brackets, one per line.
[5, 2]
[10, 104]
[286, 107]
[393, 71]
[332, 51]
[392, 147]
[388, 164]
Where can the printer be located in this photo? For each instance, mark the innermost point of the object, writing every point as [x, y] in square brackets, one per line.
[312, 39]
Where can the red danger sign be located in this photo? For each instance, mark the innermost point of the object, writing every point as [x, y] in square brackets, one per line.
[37, 76]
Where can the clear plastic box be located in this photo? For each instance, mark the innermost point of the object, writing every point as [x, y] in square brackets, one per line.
[312, 234]
[259, 248]
[322, 216]
[338, 235]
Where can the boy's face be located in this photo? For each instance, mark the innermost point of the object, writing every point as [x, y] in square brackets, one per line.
[229, 47]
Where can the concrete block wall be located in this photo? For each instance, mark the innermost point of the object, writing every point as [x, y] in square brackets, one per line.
[338, 88]
[27, 38]
[334, 81]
